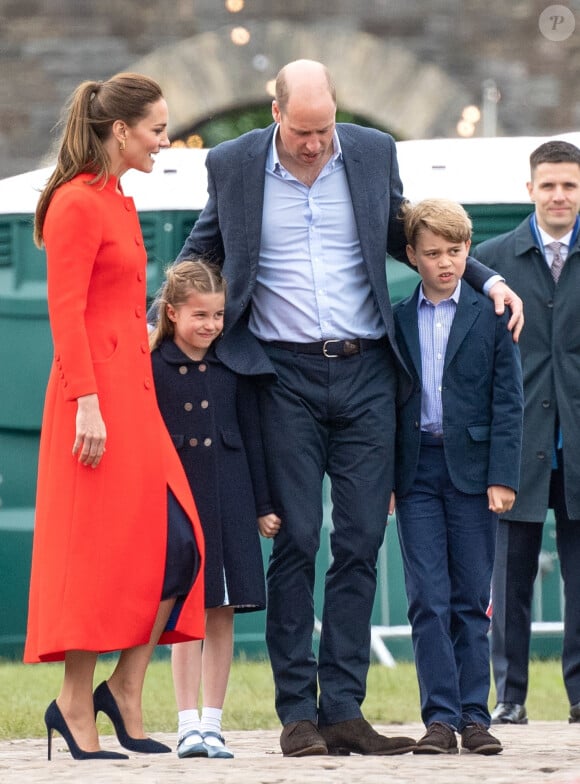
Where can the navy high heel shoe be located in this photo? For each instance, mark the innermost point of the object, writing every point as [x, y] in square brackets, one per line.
[105, 702]
[54, 720]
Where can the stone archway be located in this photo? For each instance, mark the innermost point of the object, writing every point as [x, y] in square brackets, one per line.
[208, 74]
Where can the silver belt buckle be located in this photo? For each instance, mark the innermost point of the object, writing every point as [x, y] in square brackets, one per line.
[325, 350]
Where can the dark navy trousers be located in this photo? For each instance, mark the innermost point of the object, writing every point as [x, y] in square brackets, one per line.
[447, 542]
[517, 552]
[333, 416]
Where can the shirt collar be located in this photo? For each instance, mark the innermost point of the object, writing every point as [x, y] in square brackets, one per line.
[546, 239]
[453, 298]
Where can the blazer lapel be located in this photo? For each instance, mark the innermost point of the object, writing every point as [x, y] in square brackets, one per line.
[358, 182]
[252, 191]
[409, 330]
[466, 313]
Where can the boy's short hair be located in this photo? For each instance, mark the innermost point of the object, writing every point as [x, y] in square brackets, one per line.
[554, 151]
[443, 217]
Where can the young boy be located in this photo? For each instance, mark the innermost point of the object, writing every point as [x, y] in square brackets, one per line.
[457, 468]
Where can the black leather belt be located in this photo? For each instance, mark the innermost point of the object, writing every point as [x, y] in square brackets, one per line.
[330, 348]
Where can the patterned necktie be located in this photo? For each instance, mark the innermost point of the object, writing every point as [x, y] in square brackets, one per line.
[557, 260]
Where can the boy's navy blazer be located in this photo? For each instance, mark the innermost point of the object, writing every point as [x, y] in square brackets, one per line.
[482, 397]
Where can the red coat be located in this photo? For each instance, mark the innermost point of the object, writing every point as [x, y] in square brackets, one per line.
[100, 534]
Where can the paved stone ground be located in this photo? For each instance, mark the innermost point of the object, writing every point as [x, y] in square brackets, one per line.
[541, 753]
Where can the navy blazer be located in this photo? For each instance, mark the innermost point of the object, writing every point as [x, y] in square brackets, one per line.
[228, 230]
[482, 397]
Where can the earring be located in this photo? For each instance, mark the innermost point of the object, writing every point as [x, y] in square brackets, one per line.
[122, 145]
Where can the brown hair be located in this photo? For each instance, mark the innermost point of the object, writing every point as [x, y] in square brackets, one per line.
[443, 217]
[554, 151]
[88, 119]
[181, 279]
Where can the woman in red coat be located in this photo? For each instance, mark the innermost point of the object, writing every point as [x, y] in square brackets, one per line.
[117, 543]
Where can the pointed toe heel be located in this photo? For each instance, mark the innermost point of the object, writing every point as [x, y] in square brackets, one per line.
[54, 720]
[105, 702]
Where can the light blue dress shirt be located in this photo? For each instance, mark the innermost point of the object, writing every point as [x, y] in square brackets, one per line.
[434, 326]
[312, 283]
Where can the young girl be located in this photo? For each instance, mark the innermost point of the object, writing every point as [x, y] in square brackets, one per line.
[212, 415]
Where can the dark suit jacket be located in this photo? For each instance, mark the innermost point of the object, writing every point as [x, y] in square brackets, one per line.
[229, 227]
[482, 397]
[550, 349]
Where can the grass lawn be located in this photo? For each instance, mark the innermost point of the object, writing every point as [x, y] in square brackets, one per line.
[392, 696]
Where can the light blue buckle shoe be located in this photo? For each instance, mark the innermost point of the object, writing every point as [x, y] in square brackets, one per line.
[191, 745]
[216, 746]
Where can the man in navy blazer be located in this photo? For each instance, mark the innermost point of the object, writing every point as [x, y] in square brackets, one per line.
[457, 466]
[299, 216]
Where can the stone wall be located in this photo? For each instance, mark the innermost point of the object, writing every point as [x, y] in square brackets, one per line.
[49, 46]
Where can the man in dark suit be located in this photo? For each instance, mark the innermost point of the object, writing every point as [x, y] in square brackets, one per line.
[300, 216]
[530, 258]
[457, 467]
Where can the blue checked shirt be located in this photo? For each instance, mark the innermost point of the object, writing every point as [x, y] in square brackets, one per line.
[434, 326]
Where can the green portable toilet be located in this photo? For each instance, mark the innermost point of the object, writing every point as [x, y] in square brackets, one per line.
[25, 353]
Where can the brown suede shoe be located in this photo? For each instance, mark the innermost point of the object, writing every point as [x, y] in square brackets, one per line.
[302, 739]
[357, 736]
[479, 740]
[439, 739]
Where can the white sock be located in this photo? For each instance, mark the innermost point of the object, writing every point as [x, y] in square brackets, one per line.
[188, 720]
[211, 720]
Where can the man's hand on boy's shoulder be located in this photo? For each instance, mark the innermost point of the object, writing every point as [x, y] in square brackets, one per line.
[503, 296]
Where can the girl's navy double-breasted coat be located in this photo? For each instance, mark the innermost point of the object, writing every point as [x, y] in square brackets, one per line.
[212, 416]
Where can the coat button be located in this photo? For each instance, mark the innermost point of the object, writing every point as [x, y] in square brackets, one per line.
[138, 311]
[147, 383]
[207, 441]
[202, 368]
[144, 348]
[193, 442]
[550, 303]
[545, 404]
[188, 406]
[140, 276]
[183, 369]
[541, 455]
[204, 404]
